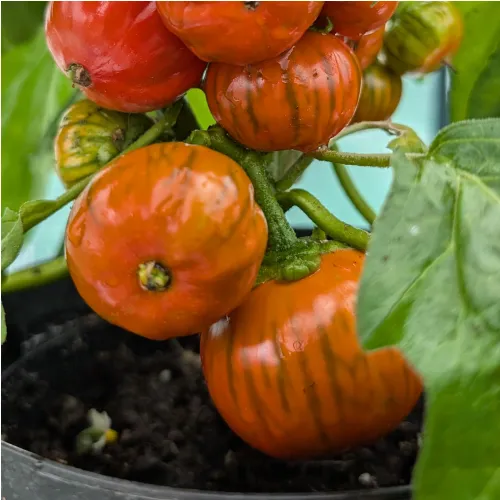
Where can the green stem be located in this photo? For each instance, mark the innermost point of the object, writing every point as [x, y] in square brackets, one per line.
[293, 174]
[352, 192]
[333, 227]
[33, 217]
[359, 159]
[387, 126]
[35, 276]
[281, 234]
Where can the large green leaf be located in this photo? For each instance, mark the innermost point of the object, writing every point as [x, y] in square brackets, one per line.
[20, 22]
[476, 82]
[431, 285]
[34, 92]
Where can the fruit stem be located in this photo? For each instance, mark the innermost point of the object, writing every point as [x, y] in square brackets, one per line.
[353, 194]
[153, 276]
[31, 277]
[333, 227]
[281, 234]
[386, 125]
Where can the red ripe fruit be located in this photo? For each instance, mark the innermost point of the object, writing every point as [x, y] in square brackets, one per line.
[298, 100]
[353, 19]
[238, 32]
[368, 47]
[120, 54]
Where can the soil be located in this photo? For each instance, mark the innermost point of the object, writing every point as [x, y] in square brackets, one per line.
[169, 432]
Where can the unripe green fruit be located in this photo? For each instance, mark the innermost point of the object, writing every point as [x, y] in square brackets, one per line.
[422, 36]
[90, 136]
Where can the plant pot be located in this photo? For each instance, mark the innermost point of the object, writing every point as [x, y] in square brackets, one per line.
[73, 352]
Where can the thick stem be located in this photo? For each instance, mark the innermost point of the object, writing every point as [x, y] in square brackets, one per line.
[352, 192]
[333, 227]
[31, 219]
[281, 234]
[35, 276]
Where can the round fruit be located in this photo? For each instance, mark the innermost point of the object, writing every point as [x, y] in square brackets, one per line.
[90, 136]
[353, 19]
[369, 46]
[423, 35]
[166, 240]
[380, 94]
[288, 375]
[298, 100]
[238, 32]
[120, 54]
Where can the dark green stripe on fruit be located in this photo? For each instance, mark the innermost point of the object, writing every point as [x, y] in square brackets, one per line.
[308, 387]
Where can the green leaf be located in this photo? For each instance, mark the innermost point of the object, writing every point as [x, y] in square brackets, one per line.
[198, 102]
[34, 93]
[3, 327]
[431, 285]
[20, 22]
[474, 87]
[12, 237]
[407, 141]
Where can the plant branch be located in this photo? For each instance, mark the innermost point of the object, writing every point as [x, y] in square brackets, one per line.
[387, 126]
[352, 192]
[35, 276]
[333, 227]
[281, 234]
[359, 159]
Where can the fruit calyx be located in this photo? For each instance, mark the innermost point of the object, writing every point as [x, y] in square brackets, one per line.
[153, 276]
[79, 75]
[296, 263]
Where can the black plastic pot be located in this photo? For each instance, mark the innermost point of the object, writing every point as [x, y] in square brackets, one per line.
[26, 476]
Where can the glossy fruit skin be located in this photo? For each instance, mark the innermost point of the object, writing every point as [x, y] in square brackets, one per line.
[238, 32]
[354, 19]
[380, 94]
[90, 136]
[423, 35]
[133, 62]
[185, 207]
[368, 47]
[298, 100]
[288, 375]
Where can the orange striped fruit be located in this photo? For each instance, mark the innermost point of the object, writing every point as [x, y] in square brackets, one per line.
[354, 19]
[380, 94]
[238, 32]
[287, 373]
[298, 100]
[369, 46]
[166, 240]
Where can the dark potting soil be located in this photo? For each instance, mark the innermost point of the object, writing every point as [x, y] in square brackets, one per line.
[169, 432]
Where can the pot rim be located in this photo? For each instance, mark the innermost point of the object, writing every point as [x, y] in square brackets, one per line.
[70, 474]
[80, 477]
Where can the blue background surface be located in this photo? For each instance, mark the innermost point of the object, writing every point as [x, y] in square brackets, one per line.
[420, 108]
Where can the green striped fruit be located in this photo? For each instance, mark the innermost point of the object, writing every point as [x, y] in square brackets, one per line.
[380, 94]
[90, 136]
[423, 35]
